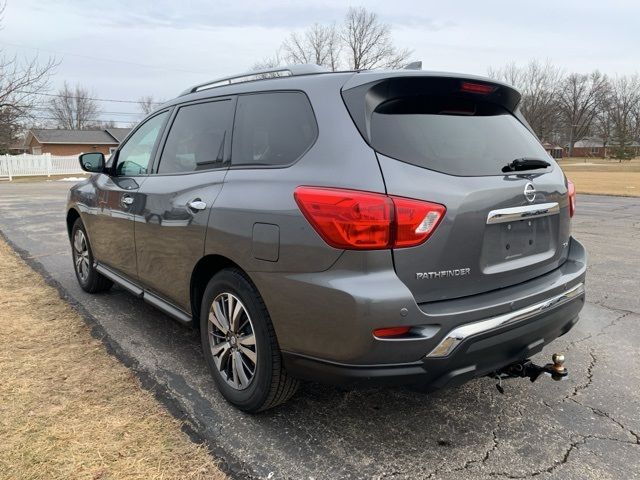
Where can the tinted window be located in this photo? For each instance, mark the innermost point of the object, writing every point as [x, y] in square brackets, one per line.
[135, 154]
[454, 136]
[197, 137]
[272, 128]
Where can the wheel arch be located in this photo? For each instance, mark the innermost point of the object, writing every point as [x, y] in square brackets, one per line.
[206, 268]
[72, 216]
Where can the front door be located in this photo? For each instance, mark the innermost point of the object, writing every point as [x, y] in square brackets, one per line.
[170, 231]
[118, 202]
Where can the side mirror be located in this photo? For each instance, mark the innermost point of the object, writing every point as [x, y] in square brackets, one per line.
[92, 162]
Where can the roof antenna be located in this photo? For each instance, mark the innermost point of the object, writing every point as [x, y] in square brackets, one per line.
[414, 65]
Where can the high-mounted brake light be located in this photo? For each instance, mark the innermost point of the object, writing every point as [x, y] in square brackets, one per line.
[571, 191]
[356, 220]
[481, 88]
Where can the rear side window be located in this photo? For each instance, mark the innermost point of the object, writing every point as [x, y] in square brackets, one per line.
[197, 138]
[272, 129]
[457, 136]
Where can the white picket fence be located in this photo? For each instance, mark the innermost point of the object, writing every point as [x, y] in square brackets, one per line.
[38, 165]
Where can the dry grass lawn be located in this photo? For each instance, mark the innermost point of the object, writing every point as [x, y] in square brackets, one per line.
[67, 408]
[604, 177]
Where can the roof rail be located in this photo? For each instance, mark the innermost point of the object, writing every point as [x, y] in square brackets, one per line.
[286, 71]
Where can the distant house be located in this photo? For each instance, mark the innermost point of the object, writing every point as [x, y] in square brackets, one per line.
[552, 149]
[595, 147]
[588, 147]
[73, 142]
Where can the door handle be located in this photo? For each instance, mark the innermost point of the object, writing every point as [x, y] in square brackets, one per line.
[197, 204]
[126, 200]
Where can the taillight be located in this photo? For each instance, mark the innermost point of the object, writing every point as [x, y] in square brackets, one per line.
[415, 221]
[356, 220]
[571, 192]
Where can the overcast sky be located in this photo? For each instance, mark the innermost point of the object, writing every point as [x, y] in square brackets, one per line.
[123, 49]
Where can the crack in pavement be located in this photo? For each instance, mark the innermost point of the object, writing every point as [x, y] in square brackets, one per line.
[483, 460]
[590, 368]
[468, 463]
[602, 413]
[623, 315]
[558, 463]
[615, 321]
[581, 438]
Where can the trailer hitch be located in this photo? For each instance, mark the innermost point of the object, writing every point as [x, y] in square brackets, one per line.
[528, 369]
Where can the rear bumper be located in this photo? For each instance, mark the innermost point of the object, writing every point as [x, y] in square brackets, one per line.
[324, 321]
[474, 355]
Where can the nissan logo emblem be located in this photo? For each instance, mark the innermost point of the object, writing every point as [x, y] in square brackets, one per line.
[529, 192]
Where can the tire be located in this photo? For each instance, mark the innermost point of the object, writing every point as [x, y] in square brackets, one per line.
[230, 355]
[89, 279]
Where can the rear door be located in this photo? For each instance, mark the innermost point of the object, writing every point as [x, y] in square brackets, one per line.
[170, 230]
[449, 141]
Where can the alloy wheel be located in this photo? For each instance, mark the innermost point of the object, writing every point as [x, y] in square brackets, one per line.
[81, 255]
[232, 340]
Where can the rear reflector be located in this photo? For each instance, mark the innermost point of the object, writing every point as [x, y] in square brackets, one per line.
[480, 88]
[572, 197]
[356, 220]
[391, 332]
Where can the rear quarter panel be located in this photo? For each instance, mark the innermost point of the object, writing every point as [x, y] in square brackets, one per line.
[338, 158]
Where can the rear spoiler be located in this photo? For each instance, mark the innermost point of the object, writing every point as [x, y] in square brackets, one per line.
[364, 92]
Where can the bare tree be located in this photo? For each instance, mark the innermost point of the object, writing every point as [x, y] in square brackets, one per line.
[602, 125]
[368, 42]
[624, 101]
[269, 62]
[73, 108]
[361, 42]
[21, 82]
[579, 99]
[539, 85]
[510, 73]
[147, 104]
[319, 44]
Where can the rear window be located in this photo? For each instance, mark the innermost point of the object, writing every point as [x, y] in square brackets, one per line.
[457, 136]
[197, 138]
[272, 129]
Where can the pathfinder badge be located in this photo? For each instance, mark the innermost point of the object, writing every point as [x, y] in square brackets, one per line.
[456, 272]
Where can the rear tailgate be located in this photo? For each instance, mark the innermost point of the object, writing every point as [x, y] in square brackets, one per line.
[446, 140]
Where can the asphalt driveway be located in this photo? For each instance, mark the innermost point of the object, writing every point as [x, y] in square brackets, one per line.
[585, 427]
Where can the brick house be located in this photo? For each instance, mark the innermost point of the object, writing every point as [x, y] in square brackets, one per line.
[73, 142]
[595, 147]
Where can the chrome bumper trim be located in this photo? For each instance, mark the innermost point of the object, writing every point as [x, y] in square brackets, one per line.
[456, 336]
[526, 212]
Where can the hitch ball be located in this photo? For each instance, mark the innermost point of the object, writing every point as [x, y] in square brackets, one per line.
[558, 364]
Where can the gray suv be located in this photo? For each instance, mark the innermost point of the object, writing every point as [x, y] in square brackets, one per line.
[401, 227]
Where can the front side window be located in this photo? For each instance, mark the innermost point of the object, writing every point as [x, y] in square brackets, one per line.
[272, 129]
[134, 157]
[197, 138]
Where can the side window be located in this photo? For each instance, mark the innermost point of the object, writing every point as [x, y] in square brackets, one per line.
[272, 128]
[134, 157]
[197, 137]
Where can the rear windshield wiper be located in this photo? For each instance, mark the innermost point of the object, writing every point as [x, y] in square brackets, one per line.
[520, 164]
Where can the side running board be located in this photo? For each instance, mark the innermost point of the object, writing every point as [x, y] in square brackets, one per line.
[147, 296]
